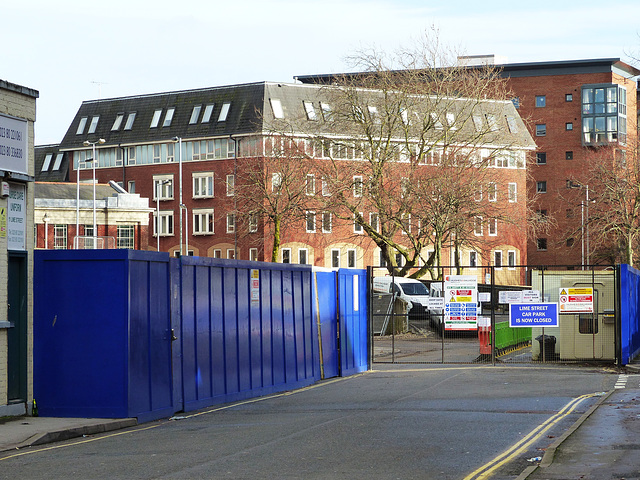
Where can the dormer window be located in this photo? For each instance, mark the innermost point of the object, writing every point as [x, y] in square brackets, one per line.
[81, 125]
[58, 162]
[208, 110]
[117, 122]
[156, 118]
[276, 106]
[195, 113]
[130, 119]
[168, 117]
[310, 110]
[224, 112]
[47, 162]
[94, 124]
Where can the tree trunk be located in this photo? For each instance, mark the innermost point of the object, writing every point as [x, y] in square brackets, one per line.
[276, 240]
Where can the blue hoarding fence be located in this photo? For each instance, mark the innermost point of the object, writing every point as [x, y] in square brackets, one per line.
[123, 333]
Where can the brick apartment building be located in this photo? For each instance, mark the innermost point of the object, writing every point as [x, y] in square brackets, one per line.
[186, 150]
[572, 108]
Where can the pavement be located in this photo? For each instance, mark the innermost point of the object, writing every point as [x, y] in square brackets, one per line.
[603, 444]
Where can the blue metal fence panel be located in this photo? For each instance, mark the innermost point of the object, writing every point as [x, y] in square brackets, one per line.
[629, 313]
[98, 334]
[352, 299]
[105, 320]
[246, 330]
[325, 315]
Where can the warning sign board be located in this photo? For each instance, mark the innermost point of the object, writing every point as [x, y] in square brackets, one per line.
[461, 302]
[576, 300]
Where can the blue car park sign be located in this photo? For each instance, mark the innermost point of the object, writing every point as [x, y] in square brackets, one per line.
[533, 315]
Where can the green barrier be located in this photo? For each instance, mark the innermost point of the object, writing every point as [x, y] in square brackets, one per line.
[510, 337]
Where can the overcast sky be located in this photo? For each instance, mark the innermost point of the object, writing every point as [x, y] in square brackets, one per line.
[72, 50]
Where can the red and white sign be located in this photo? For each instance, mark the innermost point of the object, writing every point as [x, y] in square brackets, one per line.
[576, 300]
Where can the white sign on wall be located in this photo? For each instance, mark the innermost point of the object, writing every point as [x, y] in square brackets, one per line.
[17, 217]
[13, 145]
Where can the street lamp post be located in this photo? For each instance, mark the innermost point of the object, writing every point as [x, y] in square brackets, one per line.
[94, 161]
[46, 231]
[186, 237]
[179, 140]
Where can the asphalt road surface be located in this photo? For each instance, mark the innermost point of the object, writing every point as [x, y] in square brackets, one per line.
[396, 422]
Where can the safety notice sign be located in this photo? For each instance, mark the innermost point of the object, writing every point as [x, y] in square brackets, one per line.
[576, 300]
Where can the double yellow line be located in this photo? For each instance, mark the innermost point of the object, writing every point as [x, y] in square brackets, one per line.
[519, 448]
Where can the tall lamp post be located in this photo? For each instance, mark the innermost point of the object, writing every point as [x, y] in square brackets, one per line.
[94, 161]
[45, 220]
[186, 237]
[180, 204]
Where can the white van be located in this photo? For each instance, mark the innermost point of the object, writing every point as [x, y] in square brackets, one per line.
[436, 315]
[412, 291]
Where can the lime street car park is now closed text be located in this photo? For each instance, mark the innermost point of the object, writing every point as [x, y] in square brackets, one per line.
[533, 315]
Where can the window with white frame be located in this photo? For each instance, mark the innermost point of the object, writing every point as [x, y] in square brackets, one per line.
[117, 122]
[131, 157]
[511, 259]
[473, 259]
[231, 222]
[253, 254]
[58, 162]
[206, 116]
[126, 236]
[310, 110]
[513, 192]
[119, 157]
[493, 227]
[155, 120]
[357, 225]
[253, 222]
[170, 152]
[303, 256]
[60, 237]
[217, 253]
[195, 113]
[163, 225]
[351, 258]
[276, 182]
[310, 185]
[477, 229]
[357, 186]
[497, 259]
[374, 221]
[231, 254]
[81, 125]
[326, 192]
[335, 258]
[163, 187]
[276, 106]
[156, 154]
[310, 222]
[94, 124]
[202, 184]
[168, 117]
[492, 192]
[130, 118]
[224, 112]
[326, 222]
[131, 186]
[203, 221]
[47, 162]
[231, 185]
[286, 255]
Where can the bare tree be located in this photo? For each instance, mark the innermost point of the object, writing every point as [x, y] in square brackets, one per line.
[610, 202]
[413, 138]
[273, 189]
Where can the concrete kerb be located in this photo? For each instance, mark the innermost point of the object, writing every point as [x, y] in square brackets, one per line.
[549, 454]
[62, 434]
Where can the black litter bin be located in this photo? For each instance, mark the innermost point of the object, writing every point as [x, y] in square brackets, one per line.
[548, 346]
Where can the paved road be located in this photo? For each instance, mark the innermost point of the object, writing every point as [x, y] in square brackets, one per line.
[405, 422]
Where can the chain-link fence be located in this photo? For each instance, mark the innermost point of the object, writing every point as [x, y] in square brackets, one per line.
[517, 314]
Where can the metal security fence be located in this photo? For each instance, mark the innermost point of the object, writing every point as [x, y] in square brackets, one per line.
[462, 315]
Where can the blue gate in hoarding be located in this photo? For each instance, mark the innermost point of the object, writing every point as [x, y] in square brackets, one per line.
[123, 333]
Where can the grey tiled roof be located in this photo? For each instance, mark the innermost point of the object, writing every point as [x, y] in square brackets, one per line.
[67, 191]
[60, 174]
